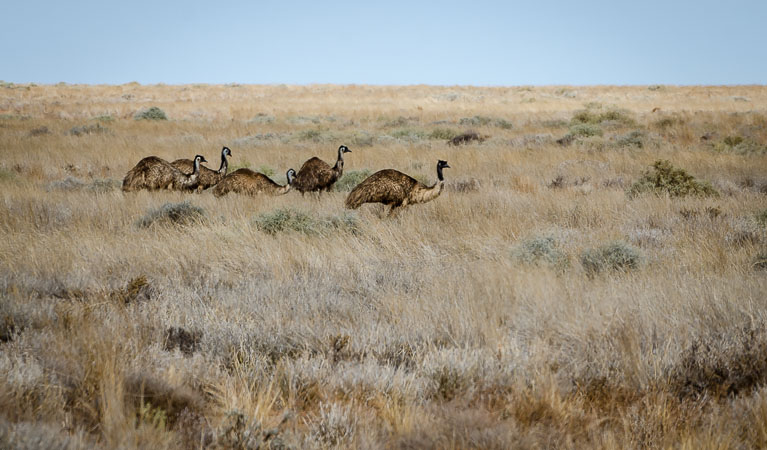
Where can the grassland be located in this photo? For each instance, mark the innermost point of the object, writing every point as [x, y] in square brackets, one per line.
[538, 303]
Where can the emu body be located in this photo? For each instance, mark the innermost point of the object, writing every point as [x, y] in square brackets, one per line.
[315, 175]
[153, 173]
[395, 189]
[246, 181]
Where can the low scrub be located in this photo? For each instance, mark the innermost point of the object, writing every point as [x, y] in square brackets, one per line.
[443, 134]
[664, 178]
[615, 256]
[724, 364]
[483, 121]
[594, 117]
[179, 214]
[634, 138]
[153, 113]
[292, 220]
[740, 146]
[96, 128]
[350, 179]
[541, 251]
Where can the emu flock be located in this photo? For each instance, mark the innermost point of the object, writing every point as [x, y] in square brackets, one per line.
[390, 187]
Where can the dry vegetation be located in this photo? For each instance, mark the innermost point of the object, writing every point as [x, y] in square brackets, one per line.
[539, 302]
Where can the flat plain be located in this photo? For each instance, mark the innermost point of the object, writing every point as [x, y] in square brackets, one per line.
[561, 292]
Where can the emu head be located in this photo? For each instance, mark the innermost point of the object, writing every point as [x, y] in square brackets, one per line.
[291, 175]
[200, 159]
[226, 152]
[442, 164]
[344, 149]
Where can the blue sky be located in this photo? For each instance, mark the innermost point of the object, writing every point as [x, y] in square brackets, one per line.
[393, 42]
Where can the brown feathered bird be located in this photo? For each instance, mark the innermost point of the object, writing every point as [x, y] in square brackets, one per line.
[317, 175]
[208, 177]
[394, 188]
[154, 173]
[245, 181]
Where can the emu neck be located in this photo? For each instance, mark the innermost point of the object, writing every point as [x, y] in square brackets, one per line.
[224, 165]
[339, 167]
[284, 189]
[439, 174]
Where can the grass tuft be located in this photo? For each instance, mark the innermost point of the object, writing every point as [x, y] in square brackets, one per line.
[178, 214]
[615, 256]
[292, 220]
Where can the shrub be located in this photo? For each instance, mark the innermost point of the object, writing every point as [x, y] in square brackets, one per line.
[181, 214]
[465, 138]
[350, 179]
[585, 130]
[739, 145]
[541, 250]
[761, 217]
[400, 121]
[667, 122]
[481, 121]
[589, 116]
[476, 121]
[262, 118]
[39, 131]
[676, 182]
[411, 134]
[153, 113]
[289, 219]
[618, 256]
[442, 134]
[633, 139]
[102, 186]
[760, 263]
[67, 184]
[88, 129]
[722, 364]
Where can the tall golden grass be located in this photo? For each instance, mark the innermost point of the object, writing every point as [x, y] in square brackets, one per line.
[440, 328]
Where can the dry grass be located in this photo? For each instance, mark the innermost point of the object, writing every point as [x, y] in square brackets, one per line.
[453, 325]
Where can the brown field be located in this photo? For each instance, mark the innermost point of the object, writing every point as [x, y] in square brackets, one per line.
[473, 321]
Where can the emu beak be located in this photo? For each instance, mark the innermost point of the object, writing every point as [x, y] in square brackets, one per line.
[446, 166]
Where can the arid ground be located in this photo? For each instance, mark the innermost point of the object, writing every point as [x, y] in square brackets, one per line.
[561, 292]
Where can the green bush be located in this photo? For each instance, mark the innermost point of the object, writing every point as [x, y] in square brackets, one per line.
[153, 113]
[541, 250]
[616, 256]
[412, 134]
[592, 117]
[350, 179]
[585, 130]
[635, 138]
[664, 178]
[739, 145]
[288, 219]
[760, 263]
[476, 121]
[442, 134]
[481, 121]
[181, 214]
[761, 217]
[88, 129]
